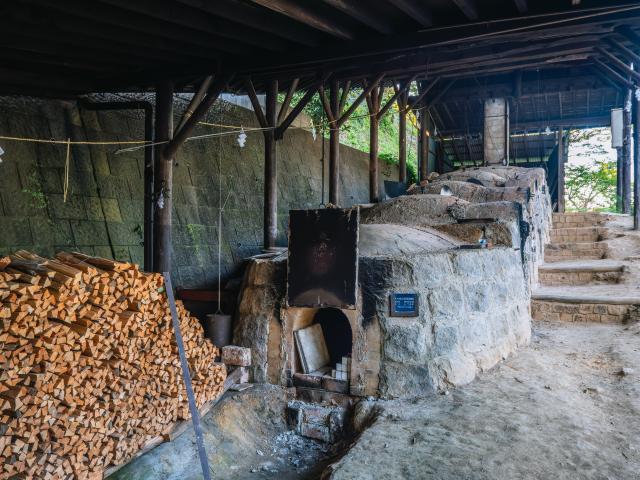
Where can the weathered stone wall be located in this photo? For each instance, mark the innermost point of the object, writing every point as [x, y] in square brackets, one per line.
[473, 311]
[525, 188]
[104, 212]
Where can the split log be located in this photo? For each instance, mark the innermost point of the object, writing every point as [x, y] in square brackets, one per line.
[89, 368]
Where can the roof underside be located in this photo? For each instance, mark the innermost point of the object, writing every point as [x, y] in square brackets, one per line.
[546, 56]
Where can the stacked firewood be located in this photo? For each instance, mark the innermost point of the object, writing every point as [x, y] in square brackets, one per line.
[89, 367]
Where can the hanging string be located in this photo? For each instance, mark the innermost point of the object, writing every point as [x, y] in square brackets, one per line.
[65, 187]
[68, 141]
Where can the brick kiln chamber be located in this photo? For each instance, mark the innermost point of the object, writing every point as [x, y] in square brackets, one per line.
[471, 305]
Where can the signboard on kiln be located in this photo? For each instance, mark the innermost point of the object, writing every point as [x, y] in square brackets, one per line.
[323, 258]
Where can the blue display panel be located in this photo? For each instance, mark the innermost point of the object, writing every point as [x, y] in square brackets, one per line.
[404, 304]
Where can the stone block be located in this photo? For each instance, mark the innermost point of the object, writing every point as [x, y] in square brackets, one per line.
[125, 233]
[103, 251]
[88, 232]
[405, 341]
[15, 231]
[131, 210]
[49, 232]
[74, 208]
[93, 208]
[399, 380]
[237, 356]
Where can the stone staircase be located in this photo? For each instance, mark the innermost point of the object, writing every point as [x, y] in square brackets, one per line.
[578, 283]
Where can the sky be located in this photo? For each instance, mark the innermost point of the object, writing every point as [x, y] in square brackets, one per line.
[598, 147]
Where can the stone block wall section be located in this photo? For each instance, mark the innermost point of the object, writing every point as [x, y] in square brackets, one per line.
[581, 313]
[104, 211]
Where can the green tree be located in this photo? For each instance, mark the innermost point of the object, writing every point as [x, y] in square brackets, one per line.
[355, 131]
[591, 187]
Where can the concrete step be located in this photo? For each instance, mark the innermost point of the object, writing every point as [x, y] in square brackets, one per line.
[581, 272]
[579, 219]
[558, 252]
[577, 234]
[594, 303]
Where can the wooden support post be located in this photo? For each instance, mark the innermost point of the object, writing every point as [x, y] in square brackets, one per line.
[148, 192]
[561, 183]
[374, 125]
[619, 180]
[402, 146]
[626, 153]
[636, 160]
[163, 178]
[334, 145]
[402, 137]
[423, 144]
[270, 169]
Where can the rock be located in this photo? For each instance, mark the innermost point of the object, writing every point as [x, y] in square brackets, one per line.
[237, 356]
[627, 371]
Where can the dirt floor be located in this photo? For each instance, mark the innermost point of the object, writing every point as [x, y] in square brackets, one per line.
[246, 436]
[560, 408]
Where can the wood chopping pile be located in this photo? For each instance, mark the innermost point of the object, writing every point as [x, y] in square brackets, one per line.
[89, 368]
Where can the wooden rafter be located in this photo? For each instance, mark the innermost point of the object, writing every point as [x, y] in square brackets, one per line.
[468, 7]
[294, 10]
[619, 63]
[415, 10]
[287, 99]
[522, 6]
[241, 13]
[358, 10]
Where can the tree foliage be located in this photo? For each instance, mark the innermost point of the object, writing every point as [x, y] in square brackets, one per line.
[591, 187]
[591, 182]
[355, 132]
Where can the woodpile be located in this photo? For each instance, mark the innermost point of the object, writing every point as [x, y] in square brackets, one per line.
[89, 368]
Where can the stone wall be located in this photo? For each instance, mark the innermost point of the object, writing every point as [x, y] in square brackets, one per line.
[474, 312]
[103, 214]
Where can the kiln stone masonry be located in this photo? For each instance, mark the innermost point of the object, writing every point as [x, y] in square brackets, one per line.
[103, 214]
[473, 303]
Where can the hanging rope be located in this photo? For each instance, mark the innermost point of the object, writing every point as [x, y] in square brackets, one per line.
[65, 187]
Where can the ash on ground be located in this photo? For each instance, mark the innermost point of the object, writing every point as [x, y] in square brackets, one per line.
[295, 456]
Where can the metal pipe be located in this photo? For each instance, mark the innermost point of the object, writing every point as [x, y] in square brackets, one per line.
[147, 107]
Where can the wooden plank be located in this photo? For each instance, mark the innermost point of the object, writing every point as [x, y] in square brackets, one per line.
[312, 348]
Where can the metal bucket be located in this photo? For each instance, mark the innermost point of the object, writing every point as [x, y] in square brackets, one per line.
[217, 328]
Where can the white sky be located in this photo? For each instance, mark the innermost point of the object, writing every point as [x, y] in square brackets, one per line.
[595, 148]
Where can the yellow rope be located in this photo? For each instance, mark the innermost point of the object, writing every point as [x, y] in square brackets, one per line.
[68, 142]
[65, 191]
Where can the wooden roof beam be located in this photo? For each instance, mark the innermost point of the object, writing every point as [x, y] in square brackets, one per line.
[251, 16]
[216, 87]
[293, 10]
[358, 10]
[194, 20]
[610, 72]
[469, 8]
[619, 63]
[139, 23]
[522, 6]
[415, 10]
[631, 55]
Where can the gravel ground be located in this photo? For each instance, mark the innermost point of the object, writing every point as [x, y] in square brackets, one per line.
[561, 408]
